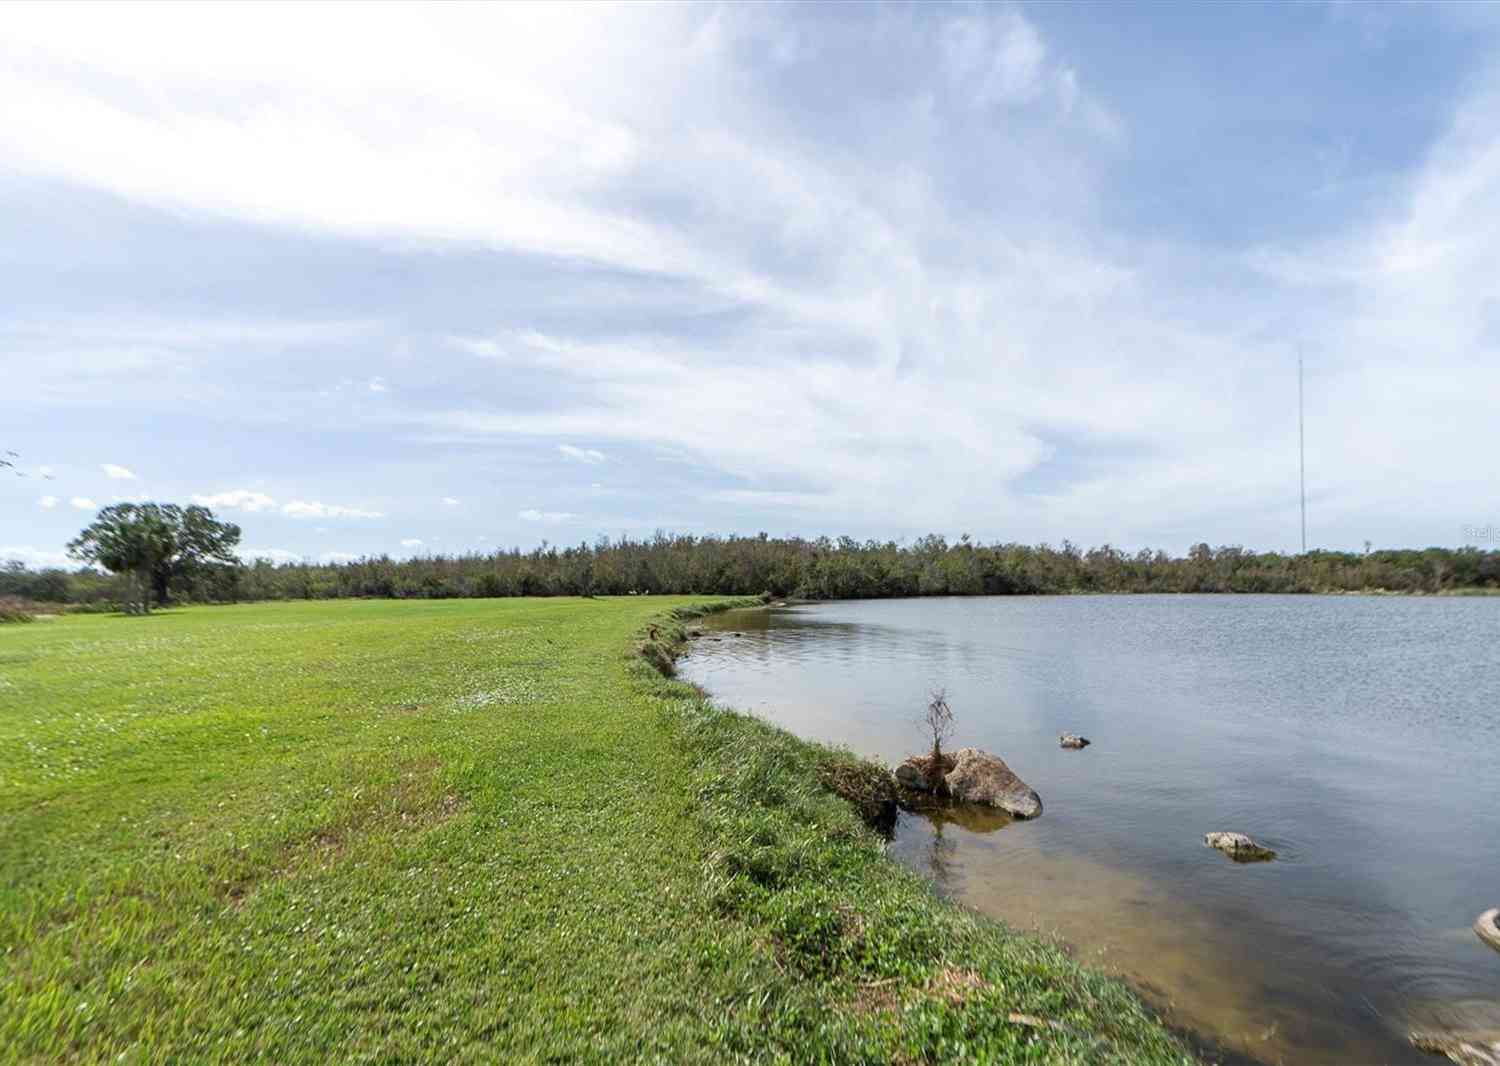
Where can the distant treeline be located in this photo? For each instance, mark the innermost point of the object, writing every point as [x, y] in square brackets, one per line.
[794, 567]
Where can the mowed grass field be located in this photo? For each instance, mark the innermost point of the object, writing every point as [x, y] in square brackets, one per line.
[464, 831]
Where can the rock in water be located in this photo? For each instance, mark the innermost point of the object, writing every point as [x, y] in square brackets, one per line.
[1238, 847]
[920, 774]
[911, 775]
[1487, 925]
[979, 777]
[1073, 740]
[1466, 1049]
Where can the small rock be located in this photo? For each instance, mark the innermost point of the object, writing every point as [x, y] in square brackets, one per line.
[1487, 925]
[1466, 1049]
[1073, 740]
[1238, 847]
[979, 777]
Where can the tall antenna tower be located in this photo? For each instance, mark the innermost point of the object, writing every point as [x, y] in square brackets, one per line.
[1301, 452]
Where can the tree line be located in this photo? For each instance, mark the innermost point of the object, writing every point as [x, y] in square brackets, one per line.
[203, 569]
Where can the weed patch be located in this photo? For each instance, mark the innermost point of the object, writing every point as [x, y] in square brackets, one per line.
[15, 610]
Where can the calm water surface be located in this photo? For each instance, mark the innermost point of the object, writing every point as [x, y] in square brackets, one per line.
[1357, 736]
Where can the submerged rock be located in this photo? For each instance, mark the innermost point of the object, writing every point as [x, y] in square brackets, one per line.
[1466, 1049]
[979, 777]
[1238, 847]
[1487, 925]
[1073, 740]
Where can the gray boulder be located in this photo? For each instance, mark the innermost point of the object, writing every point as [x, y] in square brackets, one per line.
[979, 777]
[1487, 925]
[1238, 847]
[1073, 740]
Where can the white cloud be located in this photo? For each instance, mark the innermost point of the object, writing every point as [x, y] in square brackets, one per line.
[949, 325]
[378, 384]
[483, 347]
[253, 500]
[118, 473]
[411, 542]
[475, 160]
[237, 499]
[83, 503]
[531, 514]
[538, 130]
[313, 509]
[337, 557]
[583, 455]
[36, 557]
[275, 555]
[46, 503]
[995, 57]
[449, 501]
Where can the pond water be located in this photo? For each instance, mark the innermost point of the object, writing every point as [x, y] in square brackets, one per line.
[1357, 736]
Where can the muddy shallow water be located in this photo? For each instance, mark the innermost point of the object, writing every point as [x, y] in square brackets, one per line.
[1356, 736]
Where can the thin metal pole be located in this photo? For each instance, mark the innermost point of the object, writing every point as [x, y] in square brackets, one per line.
[1301, 452]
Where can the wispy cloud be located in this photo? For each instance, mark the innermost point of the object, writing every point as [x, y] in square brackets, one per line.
[313, 509]
[449, 501]
[907, 269]
[83, 503]
[531, 514]
[411, 542]
[46, 503]
[253, 500]
[583, 455]
[35, 557]
[237, 499]
[117, 473]
[275, 555]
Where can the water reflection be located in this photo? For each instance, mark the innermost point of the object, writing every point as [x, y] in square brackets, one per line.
[1340, 732]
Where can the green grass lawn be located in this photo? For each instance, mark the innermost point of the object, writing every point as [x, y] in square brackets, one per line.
[464, 830]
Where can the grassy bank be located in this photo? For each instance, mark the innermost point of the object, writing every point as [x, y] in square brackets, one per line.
[464, 830]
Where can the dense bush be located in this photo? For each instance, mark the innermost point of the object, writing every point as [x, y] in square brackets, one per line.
[793, 566]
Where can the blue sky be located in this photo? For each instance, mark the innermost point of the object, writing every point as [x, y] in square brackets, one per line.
[406, 280]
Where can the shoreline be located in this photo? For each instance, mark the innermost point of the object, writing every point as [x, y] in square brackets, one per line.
[986, 946]
[52, 609]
